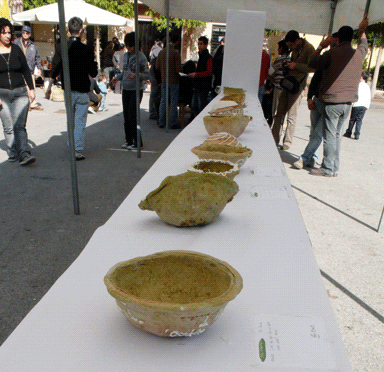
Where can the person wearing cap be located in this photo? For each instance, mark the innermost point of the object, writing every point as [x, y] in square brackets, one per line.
[32, 55]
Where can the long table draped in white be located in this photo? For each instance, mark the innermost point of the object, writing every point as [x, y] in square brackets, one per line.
[78, 327]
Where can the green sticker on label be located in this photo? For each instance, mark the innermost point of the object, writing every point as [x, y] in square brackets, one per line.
[262, 350]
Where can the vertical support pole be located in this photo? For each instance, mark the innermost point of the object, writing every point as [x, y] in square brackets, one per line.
[137, 47]
[333, 10]
[97, 29]
[167, 69]
[370, 57]
[367, 6]
[68, 105]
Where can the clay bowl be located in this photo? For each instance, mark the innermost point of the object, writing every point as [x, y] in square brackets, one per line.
[234, 125]
[214, 166]
[237, 155]
[173, 293]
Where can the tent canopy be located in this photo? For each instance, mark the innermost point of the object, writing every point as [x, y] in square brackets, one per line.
[307, 16]
[90, 14]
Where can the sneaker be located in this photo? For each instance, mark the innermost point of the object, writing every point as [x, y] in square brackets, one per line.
[125, 146]
[299, 164]
[346, 134]
[91, 110]
[313, 164]
[320, 172]
[357, 136]
[12, 158]
[27, 159]
[79, 156]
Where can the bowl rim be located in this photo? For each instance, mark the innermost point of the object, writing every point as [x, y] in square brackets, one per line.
[233, 171]
[235, 286]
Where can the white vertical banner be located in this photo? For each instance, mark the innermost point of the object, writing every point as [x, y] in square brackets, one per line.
[242, 52]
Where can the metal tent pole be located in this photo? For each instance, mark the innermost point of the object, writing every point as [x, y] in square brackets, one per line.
[137, 47]
[68, 105]
[367, 5]
[167, 68]
[333, 11]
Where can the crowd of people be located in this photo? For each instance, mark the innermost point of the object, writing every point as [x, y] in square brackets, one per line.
[338, 89]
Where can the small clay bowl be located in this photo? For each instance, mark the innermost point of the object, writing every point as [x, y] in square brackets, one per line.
[214, 166]
[173, 293]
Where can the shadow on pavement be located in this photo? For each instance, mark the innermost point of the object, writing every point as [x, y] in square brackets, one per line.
[40, 235]
[334, 208]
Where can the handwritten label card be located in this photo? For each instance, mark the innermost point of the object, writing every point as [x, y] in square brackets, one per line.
[289, 341]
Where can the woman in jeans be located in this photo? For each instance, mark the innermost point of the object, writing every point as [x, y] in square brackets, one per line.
[14, 73]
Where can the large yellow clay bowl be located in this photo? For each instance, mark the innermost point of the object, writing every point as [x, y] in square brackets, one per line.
[234, 125]
[173, 293]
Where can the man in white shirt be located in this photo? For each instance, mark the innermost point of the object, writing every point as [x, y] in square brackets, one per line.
[360, 107]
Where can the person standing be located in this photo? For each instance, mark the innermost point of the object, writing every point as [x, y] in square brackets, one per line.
[202, 78]
[128, 82]
[264, 68]
[360, 107]
[82, 64]
[310, 158]
[154, 98]
[14, 73]
[33, 58]
[174, 79]
[342, 67]
[107, 60]
[289, 102]
[276, 72]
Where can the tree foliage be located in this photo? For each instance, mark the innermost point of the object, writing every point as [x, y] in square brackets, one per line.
[120, 7]
[160, 22]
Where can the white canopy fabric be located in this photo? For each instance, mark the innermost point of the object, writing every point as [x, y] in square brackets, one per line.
[307, 16]
[90, 14]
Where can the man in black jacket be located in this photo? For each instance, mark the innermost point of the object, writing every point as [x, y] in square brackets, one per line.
[202, 78]
[81, 65]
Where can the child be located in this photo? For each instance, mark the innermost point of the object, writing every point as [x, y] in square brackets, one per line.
[360, 107]
[102, 83]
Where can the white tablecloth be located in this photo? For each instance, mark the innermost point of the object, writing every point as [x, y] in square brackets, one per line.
[78, 327]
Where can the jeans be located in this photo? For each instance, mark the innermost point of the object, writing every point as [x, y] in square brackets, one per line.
[102, 102]
[154, 97]
[315, 135]
[334, 117]
[199, 101]
[261, 94]
[357, 115]
[80, 103]
[129, 111]
[14, 118]
[174, 97]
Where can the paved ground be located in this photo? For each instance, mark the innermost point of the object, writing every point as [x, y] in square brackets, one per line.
[341, 215]
[40, 235]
